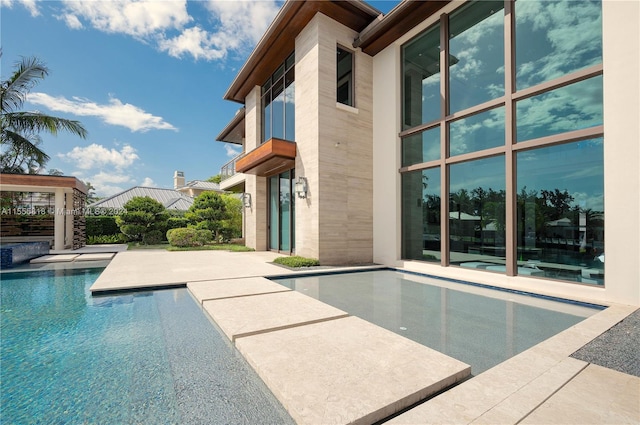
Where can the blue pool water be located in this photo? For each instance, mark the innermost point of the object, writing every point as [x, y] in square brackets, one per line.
[146, 358]
[479, 326]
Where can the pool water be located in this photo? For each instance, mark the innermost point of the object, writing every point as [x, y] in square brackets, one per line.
[477, 325]
[147, 357]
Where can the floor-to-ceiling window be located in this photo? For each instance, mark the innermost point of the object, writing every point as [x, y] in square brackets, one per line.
[278, 103]
[281, 212]
[502, 136]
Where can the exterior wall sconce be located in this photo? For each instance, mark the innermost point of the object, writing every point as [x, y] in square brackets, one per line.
[246, 200]
[301, 187]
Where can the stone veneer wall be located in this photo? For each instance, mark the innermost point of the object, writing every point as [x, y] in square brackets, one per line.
[335, 154]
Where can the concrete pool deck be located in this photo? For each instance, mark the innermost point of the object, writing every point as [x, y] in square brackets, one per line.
[319, 362]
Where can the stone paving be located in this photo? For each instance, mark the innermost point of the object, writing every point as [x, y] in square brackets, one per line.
[544, 384]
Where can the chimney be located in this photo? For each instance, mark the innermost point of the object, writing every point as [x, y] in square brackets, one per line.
[178, 179]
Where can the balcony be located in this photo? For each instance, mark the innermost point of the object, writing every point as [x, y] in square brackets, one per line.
[272, 157]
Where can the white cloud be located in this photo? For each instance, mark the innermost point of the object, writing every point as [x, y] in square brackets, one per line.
[231, 151]
[195, 42]
[115, 112]
[30, 5]
[97, 156]
[148, 182]
[237, 25]
[135, 18]
[72, 21]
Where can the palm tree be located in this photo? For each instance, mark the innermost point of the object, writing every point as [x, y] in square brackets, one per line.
[20, 130]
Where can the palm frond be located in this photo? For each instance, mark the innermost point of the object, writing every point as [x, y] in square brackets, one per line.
[13, 91]
[36, 122]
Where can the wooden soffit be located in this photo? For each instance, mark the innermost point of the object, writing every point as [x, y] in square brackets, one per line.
[272, 157]
[395, 24]
[40, 182]
[279, 40]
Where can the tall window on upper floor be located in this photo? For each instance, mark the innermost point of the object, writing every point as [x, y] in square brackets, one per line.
[345, 77]
[278, 103]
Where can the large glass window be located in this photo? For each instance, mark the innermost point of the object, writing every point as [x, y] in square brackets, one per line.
[476, 59]
[278, 103]
[421, 215]
[560, 205]
[555, 38]
[552, 185]
[421, 79]
[477, 213]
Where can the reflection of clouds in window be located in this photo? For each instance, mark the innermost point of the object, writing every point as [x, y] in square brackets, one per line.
[478, 132]
[554, 38]
[569, 108]
[476, 54]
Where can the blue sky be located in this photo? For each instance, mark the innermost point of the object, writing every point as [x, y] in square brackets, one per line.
[145, 78]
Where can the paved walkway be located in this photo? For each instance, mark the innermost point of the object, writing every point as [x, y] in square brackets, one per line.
[329, 367]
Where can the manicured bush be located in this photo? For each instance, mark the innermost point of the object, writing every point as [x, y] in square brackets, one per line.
[101, 225]
[184, 237]
[297, 261]
[152, 237]
[143, 215]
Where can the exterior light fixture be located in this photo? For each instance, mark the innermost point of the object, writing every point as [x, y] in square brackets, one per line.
[246, 200]
[301, 187]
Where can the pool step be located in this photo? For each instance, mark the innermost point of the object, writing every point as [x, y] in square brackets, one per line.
[323, 365]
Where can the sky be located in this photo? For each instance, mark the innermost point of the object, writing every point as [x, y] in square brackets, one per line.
[145, 78]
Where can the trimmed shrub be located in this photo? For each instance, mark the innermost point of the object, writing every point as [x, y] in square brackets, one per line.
[142, 215]
[101, 225]
[152, 237]
[296, 261]
[184, 237]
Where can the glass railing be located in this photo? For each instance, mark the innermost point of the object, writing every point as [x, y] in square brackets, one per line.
[229, 169]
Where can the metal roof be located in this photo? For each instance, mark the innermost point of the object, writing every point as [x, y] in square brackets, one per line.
[170, 198]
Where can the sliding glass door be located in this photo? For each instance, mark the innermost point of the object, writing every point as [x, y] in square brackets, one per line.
[281, 212]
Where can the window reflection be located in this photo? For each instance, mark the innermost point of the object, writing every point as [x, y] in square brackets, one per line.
[421, 79]
[560, 207]
[555, 38]
[477, 214]
[421, 147]
[476, 60]
[421, 215]
[568, 108]
[278, 103]
[478, 132]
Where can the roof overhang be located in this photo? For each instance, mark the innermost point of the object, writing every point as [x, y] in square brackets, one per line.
[234, 131]
[399, 21]
[272, 157]
[279, 40]
[40, 183]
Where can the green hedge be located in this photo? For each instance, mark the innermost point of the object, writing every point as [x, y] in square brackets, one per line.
[297, 261]
[184, 237]
[101, 226]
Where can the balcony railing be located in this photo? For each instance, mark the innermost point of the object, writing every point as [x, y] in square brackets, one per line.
[229, 169]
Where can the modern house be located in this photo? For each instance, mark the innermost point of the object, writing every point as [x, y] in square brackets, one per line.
[491, 141]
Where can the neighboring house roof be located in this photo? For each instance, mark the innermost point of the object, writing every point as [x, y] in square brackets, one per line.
[170, 198]
[202, 185]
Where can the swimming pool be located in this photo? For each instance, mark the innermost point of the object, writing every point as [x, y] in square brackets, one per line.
[144, 357]
[477, 325]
